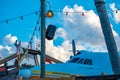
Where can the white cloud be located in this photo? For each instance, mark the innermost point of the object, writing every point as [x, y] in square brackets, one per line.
[9, 39]
[84, 29]
[117, 39]
[60, 32]
[116, 14]
[59, 52]
[5, 51]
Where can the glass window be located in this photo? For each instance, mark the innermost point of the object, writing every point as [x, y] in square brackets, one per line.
[88, 61]
[74, 60]
[81, 61]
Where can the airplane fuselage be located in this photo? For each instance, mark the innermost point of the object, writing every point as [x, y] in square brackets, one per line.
[83, 64]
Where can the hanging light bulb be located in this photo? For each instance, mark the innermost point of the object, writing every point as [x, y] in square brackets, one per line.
[66, 13]
[35, 28]
[50, 14]
[83, 14]
[116, 11]
[38, 45]
[21, 17]
[7, 21]
[37, 22]
[36, 13]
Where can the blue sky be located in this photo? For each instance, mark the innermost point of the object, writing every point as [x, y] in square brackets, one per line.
[85, 29]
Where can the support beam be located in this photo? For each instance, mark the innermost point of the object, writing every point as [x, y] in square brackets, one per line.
[36, 52]
[108, 35]
[9, 58]
[36, 60]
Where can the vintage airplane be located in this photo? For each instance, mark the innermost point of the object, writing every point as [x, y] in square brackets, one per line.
[84, 63]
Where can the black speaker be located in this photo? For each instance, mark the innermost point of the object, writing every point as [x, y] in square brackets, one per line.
[50, 32]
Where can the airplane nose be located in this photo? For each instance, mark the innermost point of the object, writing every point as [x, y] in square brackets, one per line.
[25, 73]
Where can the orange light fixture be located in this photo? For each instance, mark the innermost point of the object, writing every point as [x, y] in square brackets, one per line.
[50, 14]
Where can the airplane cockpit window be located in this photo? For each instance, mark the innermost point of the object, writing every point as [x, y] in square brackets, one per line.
[74, 60]
[88, 61]
[81, 61]
[85, 61]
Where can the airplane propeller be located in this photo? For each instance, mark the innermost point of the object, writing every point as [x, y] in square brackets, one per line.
[75, 52]
[73, 47]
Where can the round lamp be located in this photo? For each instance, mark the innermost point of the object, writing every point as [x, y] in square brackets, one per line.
[50, 14]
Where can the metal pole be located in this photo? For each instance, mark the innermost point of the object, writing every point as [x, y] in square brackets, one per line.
[42, 59]
[108, 35]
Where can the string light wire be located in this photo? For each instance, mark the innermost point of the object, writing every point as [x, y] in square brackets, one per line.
[21, 17]
[65, 12]
[35, 29]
